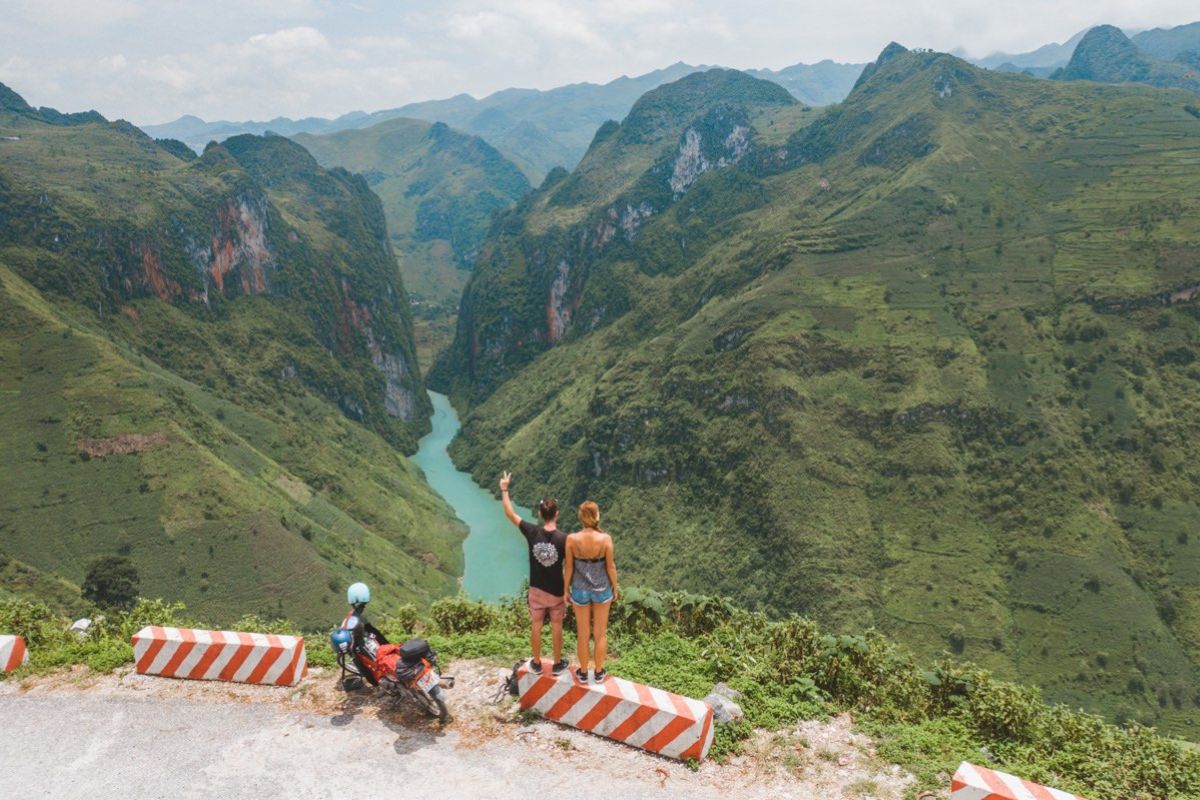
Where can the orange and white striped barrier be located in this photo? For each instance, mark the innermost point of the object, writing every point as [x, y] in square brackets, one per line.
[661, 722]
[971, 782]
[219, 655]
[12, 652]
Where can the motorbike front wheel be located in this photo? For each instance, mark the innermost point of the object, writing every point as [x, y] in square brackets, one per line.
[432, 704]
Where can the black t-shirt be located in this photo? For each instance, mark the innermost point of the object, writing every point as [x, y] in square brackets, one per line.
[547, 549]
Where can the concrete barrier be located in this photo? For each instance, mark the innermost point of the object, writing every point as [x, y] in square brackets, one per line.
[664, 723]
[972, 782]
[219, 655]
[12, 652]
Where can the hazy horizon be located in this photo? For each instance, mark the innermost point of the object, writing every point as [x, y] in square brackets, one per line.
[152, 62]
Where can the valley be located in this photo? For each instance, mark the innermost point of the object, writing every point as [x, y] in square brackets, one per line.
[901, 364]
[906, 348]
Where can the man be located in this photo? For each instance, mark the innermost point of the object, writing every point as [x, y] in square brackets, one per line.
[547, 549]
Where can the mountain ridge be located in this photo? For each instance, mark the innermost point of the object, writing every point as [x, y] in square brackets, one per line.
[562, 118]
[889, 368]
[1107, 55]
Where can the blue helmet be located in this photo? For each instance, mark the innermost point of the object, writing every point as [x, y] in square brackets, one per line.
[340, 640]
[358, 593]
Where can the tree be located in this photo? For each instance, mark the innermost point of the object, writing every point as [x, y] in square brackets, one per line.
[111, 582]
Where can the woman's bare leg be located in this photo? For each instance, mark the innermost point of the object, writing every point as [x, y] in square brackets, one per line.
[601, 632]
[583, 622]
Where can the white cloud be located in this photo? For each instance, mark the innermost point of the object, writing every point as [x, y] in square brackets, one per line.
[303, 39]
[152, 60]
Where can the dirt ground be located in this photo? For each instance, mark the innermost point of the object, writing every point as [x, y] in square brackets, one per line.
[488, 747]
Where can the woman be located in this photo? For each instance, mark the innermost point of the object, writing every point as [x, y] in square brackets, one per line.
[591, 580]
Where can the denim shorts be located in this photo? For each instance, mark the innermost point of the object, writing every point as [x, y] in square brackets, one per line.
[582, 597]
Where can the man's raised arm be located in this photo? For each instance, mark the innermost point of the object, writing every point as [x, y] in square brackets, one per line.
[505, 479]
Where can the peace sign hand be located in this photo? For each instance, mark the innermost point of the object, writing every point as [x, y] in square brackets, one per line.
[504, 481]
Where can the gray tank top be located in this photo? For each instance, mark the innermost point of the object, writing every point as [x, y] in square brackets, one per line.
[591, 575]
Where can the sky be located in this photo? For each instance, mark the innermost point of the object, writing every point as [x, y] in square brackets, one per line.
[151, 61]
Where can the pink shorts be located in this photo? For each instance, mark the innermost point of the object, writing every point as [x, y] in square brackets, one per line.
[541, 601]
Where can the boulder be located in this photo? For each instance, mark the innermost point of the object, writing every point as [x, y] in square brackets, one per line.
[723, 700]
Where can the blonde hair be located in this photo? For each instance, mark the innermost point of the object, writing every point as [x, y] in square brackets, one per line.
[589, 514]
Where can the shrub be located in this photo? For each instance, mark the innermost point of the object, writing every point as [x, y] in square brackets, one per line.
[147, 612]
[399, 623]
[34, 622]
[460, 615]
[111, 582]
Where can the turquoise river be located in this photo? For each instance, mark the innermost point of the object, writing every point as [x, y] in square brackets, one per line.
[496, 561]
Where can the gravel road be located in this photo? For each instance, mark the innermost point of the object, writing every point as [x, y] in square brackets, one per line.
[125, 747]
[127, 736]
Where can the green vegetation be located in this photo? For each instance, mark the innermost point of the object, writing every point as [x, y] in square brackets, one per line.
[206, 367]
[111, 582]
[924, 362]
[543, 130]
[440, 189]
[925, 718]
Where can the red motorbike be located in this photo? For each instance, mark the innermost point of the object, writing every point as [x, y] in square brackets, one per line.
[402, 670]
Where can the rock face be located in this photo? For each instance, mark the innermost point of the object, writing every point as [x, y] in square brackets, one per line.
[697, 155]
[254, 218]
[238, 245]
[685, 131]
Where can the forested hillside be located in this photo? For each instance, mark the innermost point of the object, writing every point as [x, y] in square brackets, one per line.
[923, 361]
[207, 366]
[439, 188]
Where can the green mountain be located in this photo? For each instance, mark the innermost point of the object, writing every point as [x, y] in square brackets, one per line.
[207, 365]
[1167, 44]
[819, 84]
[923, 361]
[1107, 55]
[439, 188]
[537, 129]
[547, 129]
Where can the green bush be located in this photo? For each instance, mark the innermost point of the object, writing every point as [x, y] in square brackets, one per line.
[318, 653]
[111, 581]
[35, 622]
[257, 624]
[399, 623]
[460, 615]
[484, 644]
[147, 612]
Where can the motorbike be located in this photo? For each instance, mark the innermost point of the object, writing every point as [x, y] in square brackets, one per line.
[407, 670]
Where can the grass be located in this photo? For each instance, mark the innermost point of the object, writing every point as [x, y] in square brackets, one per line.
[241, 507]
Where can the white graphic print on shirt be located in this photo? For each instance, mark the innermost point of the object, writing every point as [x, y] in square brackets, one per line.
[545, 553]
